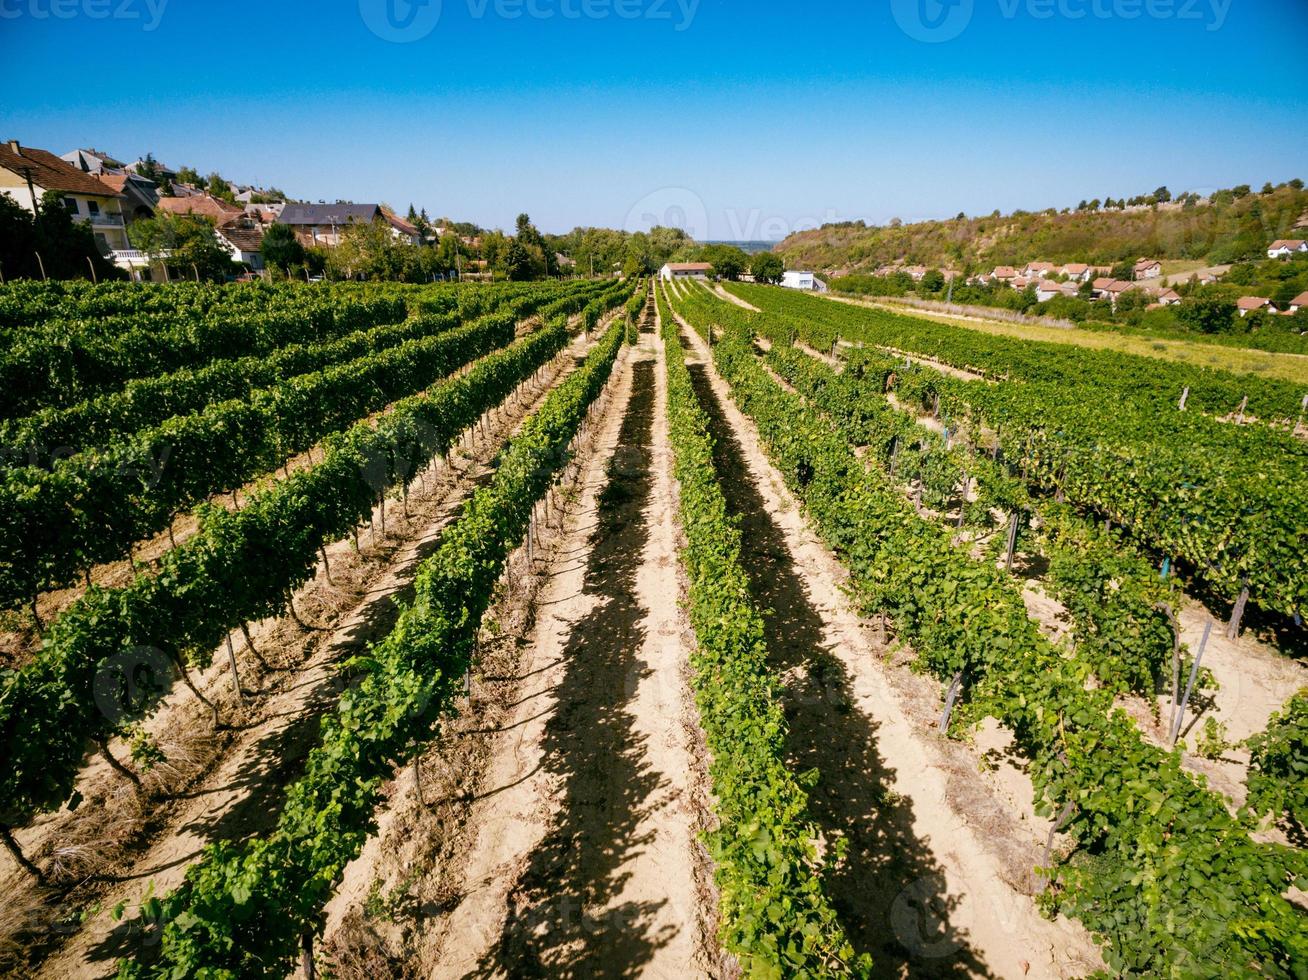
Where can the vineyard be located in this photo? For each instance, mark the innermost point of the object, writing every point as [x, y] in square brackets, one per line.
[616, 628]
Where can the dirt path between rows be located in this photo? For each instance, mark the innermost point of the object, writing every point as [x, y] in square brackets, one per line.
[226, 786]
[938, 877]
[582, 856]
[733, 298]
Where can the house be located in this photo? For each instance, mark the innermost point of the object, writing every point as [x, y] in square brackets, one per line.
[803, 280]
[1118, 288]
[685, 270]
[1300, 302]
[402, 229]
[1047, 290]
[242, 236]
[1247, 304]
[1038, 270]
[324, 224]
[1020, 283]
[93, 162]
[203, 205]
[1284, 248]
[916, 272]
[140, 196]
[1078, 271]
[1148, 269]
[1099, 288]
[1168, 297]
[27, 175]
[166, 176]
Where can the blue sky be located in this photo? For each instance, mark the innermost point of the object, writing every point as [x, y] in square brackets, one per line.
[747, 118]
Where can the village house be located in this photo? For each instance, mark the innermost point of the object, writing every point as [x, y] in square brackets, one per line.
[1284, 248]
[1099, 288]
[242, 236]
[1148, 269]
[27, 175]
[1247, 304]
[1078, 271]
[1299, 302]
[685, 270]
[803, 280]
[325, 224]
[1037, 270]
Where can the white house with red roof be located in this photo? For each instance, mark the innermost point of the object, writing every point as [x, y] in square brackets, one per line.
[1283, 248]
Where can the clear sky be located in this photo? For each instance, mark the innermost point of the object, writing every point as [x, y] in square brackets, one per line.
[746, 118]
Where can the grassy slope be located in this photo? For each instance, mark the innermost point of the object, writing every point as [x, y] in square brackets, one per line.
[1286, 367]
[1226, 231]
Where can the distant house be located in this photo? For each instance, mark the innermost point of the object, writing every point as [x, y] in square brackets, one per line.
[1300, 302]
[916, 272]
[1037, 270]
[1020, 283]
[1078, 271]
[93, 162]
[1168, 297]
[1099, 288]
[27, 174]
[242, 236]
[1004, 273]
[325, 224]
[1046, 290]
[1118, 288]
[204, 205]
[1148, 269]
[1284, 248]
[685, 270]
[1247, 304]
[803, 280]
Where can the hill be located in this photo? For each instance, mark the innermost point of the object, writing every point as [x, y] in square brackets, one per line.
[1229, 226]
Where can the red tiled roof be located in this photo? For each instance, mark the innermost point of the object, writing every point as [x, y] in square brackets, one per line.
[1300, 300]
[690, 266]
[1251, 302]
[209, 207]
[1292, 243]
[247, 239]
[50, 173]
[1103, 282]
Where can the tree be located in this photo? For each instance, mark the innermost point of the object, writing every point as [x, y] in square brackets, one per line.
[1268, 188]
[149, 169]
[933, 280]
[518, 262]
[1241, 190]
[1125, 271]
[189, 175]
[1162, 195]
[767, 267]
[68, 248]
[1297, 184]
[728, 261]
[1207, 314]
[281, 249]
[185, 244]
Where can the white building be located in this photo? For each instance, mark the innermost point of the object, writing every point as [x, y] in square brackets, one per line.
[1283, 249]
[685, 270]
[27, 174]
[803, 280]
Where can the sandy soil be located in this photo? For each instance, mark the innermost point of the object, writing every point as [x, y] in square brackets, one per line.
[938, 878]
[227, 784]
[583, 860]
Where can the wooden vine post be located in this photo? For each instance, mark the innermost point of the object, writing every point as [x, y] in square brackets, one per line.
[1178, 721]
[1237, 614]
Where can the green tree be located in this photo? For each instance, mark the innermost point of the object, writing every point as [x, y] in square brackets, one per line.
[1207, 314]
[932, 281]
[519, 264]
[281, 249]
[189, 175]
[1162, 195]
[728, 261]
[767, 267]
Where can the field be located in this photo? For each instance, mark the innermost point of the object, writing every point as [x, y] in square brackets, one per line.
[617, 628]
[1218, 357]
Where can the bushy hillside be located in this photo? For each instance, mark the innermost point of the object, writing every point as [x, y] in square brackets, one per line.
[1230, 226]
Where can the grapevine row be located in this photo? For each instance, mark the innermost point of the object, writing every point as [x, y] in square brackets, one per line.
[776, 918]
[247, 910]
[90, 508]
[1163, 874]
[240, 567]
